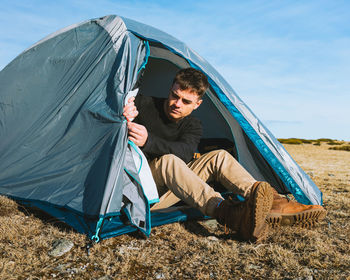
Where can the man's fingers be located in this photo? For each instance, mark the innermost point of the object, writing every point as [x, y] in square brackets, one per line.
[134, 134]
[137, 133]
[130, 106]
[136, 141]
[133, 114]
[130, 117]
[133, 128]
[137, 128]
[132, 139]
[129, 109]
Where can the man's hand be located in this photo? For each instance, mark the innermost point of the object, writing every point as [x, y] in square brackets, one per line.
[137, 134]
[130, 111]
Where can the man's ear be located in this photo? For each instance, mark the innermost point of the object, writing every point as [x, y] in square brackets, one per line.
[198, 103]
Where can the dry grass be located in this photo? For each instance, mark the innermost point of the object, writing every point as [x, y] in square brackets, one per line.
[191, 250]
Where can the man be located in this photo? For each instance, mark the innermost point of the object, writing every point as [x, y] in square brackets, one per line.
[168, 135]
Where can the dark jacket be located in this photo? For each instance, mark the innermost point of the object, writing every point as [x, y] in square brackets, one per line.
[165, 136]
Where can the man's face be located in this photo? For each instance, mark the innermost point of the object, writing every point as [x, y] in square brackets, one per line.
[181, 103]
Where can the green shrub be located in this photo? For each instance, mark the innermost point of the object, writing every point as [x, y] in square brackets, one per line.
[317, 142]
[325, 140]
[341, 148]
[293, 141]
[335, 143]
[306, 141]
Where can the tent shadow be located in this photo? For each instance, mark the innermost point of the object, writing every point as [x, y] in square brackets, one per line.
[45, 217]
[196, 228]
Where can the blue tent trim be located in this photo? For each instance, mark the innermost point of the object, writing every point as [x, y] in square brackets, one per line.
[148, 52]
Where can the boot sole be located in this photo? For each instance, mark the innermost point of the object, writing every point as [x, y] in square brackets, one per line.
[262, 203]
[305, 219]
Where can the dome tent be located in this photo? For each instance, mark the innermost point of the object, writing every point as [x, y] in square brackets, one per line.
[64, 145]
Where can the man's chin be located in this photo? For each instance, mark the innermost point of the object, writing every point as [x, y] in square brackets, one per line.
[175, 117]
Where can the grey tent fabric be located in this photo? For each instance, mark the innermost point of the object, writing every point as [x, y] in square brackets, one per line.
[64, 141]
[63, 134]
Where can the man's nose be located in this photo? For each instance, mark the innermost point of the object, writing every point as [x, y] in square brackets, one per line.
[178, 103]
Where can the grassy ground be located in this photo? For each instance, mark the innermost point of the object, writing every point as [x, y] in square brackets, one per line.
[192, 250]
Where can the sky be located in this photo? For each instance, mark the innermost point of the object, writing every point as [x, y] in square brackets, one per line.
[289, 61]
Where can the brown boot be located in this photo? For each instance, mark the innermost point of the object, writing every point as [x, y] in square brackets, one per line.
[286, 212]
[248, 218]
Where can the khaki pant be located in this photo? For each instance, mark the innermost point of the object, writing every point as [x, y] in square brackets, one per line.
[177, 180]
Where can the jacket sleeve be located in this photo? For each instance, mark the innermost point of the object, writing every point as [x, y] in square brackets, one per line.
[184, 147]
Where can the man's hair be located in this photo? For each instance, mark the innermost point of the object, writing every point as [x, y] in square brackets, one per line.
[192, 79]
